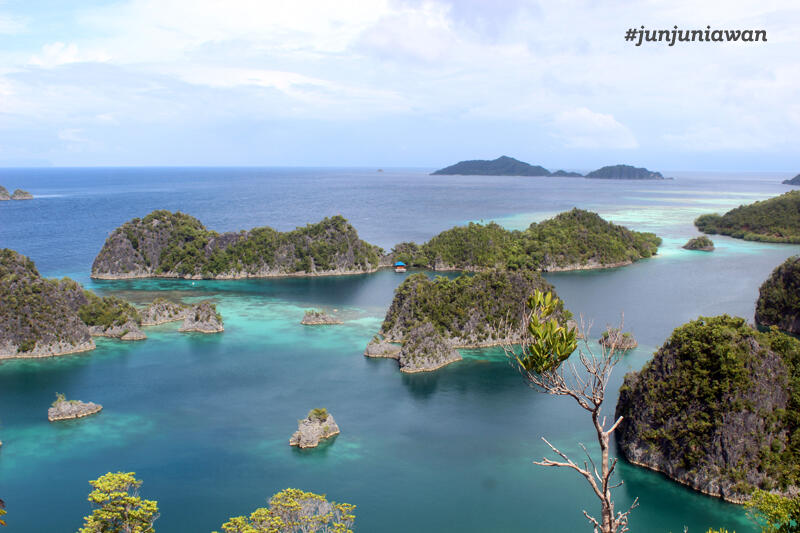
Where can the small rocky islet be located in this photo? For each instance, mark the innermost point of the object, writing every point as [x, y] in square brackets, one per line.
[318, 425]
[616, 339]
[312, 317]
[18, 194]
[701, 244]
[203, 318]
[63, 409]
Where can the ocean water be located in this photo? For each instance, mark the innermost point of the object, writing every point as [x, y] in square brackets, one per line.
[204, 421]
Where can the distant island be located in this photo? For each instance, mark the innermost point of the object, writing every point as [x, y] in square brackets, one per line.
[779, 298]
[176, 245]
[18, 194]
[794, 181]
[716, 409]
[774, 220]
[573, 240]
[508, 166]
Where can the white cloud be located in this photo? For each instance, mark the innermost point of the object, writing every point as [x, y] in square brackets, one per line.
[58, 53]
[74, 135]
[583, 128]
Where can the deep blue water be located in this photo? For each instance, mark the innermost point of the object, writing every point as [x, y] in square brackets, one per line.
[205, 420]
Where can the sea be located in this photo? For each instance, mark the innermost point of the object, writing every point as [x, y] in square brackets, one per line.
[204, 420]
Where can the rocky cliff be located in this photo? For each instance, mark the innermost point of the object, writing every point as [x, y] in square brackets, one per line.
[318, 425]
[426, 349]
[165, 244]
[779, 297]
[203, 318]
[717, 409]
[38, 317]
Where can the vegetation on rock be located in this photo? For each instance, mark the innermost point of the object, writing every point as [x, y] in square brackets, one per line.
[502, 166]
[573, 239]
[295, 510]
[624, 172]
[717, 408]
[165, 244]
[779, 298]
[107, 311]
[701, 243]
[774, 220]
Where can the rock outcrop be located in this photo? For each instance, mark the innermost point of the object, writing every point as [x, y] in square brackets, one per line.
[19, 194]
[425, 349]
[63, 409]
[318, 425]
[715, 409]
[38, 317]
[203, 318]
[109, 316]
[128, 331]
[162, 311]
[613, 337]
[4, 194]
[379, 348]
[779, 298]
[318, 318]
[702, 243]
[172, 245]
[794, 181]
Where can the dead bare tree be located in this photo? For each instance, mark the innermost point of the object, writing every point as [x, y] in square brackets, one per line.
[542, 357]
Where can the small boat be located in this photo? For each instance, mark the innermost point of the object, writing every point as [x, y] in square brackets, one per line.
[400, 267]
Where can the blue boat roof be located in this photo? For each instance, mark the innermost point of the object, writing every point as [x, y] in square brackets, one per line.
[399, 264]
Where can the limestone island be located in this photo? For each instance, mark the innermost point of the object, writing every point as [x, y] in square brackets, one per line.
[794, 181]
[702, 244]
[779, 298]
[4, 194]
[616, 339]
[203, 318]
[572, 240]
[318, 425]
[625, 172]
[430, 318]
[111, 317]
[19, 194]
[774, 220]
[175, 245]
[163, 311]
[63, 409]
[716, 409]
[313, 317]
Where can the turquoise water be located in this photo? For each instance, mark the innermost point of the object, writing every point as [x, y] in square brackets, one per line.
[205, 420]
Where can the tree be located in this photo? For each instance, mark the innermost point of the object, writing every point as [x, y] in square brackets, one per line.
[774, 513]
[541, 357]
[118, 507]
[294, 510]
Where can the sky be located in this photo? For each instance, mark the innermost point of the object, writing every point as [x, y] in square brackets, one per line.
[396, 83]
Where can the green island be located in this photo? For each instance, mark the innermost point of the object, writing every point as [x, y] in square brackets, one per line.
[573, 240]
[702, 243]
[778, 301]
[717, 409]
[774, 220]
[625, 172]
[502, 166]
[166, 244]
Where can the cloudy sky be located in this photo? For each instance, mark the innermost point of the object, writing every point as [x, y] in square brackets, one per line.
[396, 83]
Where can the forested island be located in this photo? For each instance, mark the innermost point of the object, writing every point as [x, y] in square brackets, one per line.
[508, 166]
[176, 245]
[702, 244]
[573, 240]
[625, 172]
[717, 409]
[774, 220]
[432, 317]
[779, 298]
[794, 181]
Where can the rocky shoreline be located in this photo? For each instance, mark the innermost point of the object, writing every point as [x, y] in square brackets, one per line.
[49, 350]
[319, 318]
[235, 276]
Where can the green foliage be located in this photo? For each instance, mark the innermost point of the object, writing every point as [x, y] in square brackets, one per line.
[294, 510]
[59, 398]
[774, 220]
[107, 311]
[574, 237]
[550, 343]
[319, 414]
[699, 243]
[779, 296]
[118, 507]
[774, 513]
